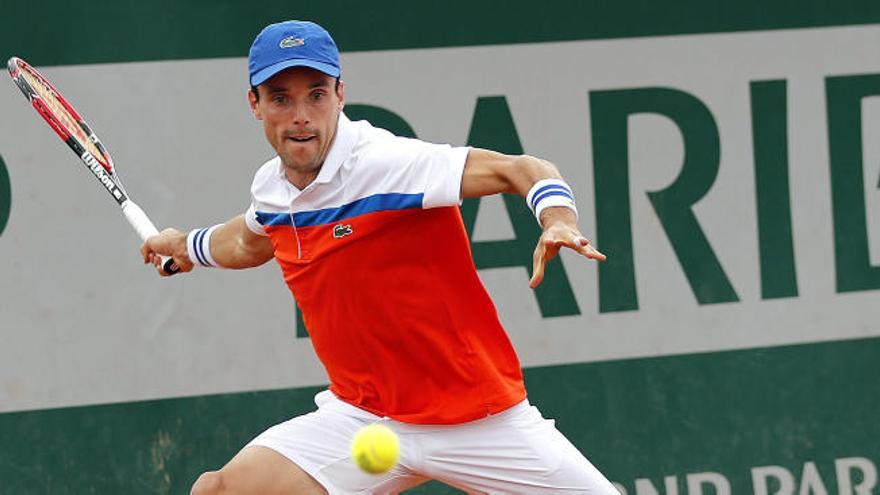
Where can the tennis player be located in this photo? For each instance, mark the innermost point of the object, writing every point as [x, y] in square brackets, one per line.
[366, 228]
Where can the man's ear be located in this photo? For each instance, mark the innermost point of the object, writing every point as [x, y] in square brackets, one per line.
[254, 103]
[340, 92]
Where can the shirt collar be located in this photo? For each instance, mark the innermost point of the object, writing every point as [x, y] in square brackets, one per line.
[343, 143]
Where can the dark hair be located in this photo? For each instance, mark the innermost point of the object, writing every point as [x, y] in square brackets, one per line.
[257, 93]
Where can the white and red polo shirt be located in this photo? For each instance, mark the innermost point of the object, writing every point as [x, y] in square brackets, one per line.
[376, 255]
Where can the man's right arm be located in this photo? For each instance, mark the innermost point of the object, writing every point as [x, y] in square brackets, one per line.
[233, 245]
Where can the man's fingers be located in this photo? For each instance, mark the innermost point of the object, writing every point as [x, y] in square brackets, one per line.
[145, 252]
[548, 249]
[183, 265]
[595, 254]
[537, 276]
[148, 249]
[537, 266]
[590, 252]
[583, 246]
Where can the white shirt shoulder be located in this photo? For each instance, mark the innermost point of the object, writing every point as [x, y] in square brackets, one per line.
[381, 162]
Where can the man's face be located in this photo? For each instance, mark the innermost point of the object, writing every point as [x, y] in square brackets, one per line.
[299, 108]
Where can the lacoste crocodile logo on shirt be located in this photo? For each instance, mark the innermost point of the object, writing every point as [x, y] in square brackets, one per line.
[340, 231]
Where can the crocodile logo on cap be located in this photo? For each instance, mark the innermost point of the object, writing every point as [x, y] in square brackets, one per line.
[291, 41]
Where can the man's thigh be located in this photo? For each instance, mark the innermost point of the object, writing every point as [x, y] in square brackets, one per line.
[262, 471]
[516, 451]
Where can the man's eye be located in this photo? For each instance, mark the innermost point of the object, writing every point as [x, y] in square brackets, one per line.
[279, 99]
[317, 95]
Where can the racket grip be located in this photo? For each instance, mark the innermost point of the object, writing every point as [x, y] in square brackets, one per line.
[145, 229]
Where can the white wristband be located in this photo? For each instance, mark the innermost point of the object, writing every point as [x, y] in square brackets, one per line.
[198, 246]
[547, 193]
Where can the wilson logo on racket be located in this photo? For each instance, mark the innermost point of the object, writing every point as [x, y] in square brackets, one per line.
[340, 231]
[98, 169]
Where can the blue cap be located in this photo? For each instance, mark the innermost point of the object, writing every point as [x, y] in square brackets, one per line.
[292, 44]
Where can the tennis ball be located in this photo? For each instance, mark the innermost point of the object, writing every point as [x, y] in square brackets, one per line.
[375, 448]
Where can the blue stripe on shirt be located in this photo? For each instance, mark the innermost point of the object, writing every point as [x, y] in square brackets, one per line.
[269, 219]
[363, 206]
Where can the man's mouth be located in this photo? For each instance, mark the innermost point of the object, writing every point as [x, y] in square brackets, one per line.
[302, 138]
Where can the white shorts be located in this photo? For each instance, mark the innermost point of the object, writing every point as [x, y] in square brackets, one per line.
[515, 451]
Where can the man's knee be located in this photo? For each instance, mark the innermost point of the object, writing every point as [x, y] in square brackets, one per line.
[210, 483]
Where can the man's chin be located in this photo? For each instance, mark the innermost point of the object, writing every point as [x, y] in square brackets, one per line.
[300, 157]
[299, 164]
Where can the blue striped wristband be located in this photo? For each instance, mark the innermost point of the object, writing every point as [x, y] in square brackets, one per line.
[198, 246]
[547, 193]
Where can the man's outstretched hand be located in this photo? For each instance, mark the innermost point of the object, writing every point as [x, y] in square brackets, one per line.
[560, 230]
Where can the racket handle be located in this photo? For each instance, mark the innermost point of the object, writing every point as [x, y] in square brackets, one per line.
[145, 229]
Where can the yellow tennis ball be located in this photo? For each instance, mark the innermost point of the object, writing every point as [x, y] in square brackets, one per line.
[375, 448]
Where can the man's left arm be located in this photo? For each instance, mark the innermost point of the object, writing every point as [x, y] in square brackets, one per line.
[488, 172]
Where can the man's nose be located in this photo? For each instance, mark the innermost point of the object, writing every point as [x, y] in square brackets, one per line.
[300, 115]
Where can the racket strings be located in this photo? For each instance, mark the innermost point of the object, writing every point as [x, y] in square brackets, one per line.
[48, 96]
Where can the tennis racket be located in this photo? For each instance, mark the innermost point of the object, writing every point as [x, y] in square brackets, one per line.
[73, 130]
